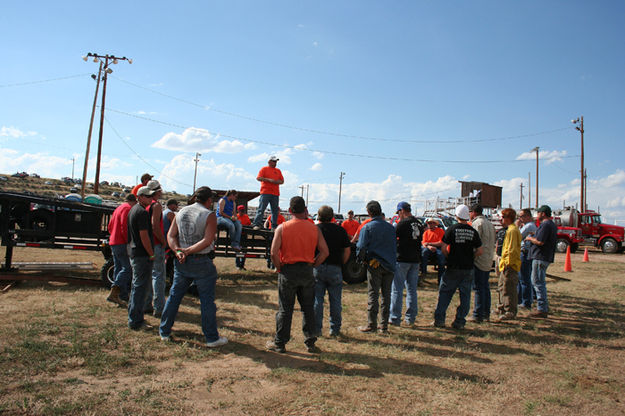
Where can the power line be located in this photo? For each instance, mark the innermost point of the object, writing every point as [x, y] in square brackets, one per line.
[330, 152]
[20, 84]
[330, 133]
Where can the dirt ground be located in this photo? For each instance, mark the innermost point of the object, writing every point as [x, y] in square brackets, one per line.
[65, 350]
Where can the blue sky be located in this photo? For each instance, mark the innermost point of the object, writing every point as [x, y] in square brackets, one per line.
[405, 97]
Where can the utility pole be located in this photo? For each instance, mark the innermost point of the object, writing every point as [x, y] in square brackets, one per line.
[307, 189]
[302, 188]
[197, 159]
[95, 100]
[585, 190]
[104, 68]
[582, 193]
[521, 197]
[340, 188]
[536, 149]
[73, 160]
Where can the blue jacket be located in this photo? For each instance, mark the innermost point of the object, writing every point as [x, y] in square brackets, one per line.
[378, 241]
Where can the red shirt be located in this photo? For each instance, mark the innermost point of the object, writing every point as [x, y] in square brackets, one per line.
[351, 226]
[299, 241]
[118, 225]
[244, 219]
[271, 173]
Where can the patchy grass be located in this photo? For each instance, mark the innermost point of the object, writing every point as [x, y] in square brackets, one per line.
[65, 350]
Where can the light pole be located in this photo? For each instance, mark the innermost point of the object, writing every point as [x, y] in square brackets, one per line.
[197, 159]
[582, 194]
[340, 188]
[536, 150]
[104, 69]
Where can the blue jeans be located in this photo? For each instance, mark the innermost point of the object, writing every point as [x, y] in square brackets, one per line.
[201, 270]
[526, 292]
[406, 275]
[273, 201]
[451, 280]
[233, 228]
[328, 277]
[141, 272]
[156, 292]
[539, 282]
[425, 258]
[122, 269]
[481, 308]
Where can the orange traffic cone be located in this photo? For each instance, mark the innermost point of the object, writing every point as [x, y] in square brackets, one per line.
[567, 261]
[586, 259]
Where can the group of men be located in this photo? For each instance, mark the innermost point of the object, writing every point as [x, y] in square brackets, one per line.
[308, 259]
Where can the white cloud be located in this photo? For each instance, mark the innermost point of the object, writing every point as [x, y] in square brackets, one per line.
[200, 140]
[14, 132]
[318, 155]
[284, 155]
[316, 167]
[548, 156]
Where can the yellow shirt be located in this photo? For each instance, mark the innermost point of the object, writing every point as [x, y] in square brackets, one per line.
[511, 249]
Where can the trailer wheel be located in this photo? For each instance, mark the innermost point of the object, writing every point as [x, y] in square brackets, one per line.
[561, 245]
[107, 273]
[354, 271]
[609, 246]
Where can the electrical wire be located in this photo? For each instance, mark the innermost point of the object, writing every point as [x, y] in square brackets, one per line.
[330, 133]
[20, 84]
[160, 171]
[329, 152]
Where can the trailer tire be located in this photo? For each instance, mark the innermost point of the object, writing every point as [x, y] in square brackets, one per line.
[107, 273]
[561, 245]
[354, 271]
[609, 246]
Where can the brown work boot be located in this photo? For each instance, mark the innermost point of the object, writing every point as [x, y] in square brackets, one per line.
[367, 328]
[538, 314]
[113, 296]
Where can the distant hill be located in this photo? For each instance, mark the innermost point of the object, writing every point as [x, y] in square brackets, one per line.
[56, 188]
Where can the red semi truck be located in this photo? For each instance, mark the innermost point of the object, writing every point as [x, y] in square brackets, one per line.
[593, 231]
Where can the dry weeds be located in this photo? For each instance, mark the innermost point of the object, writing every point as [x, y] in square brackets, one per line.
[67, 351]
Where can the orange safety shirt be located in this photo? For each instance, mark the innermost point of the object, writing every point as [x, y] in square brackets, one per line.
[299, 241]
[271, 173]
[432, 236]
[281, 219]
[362, 225]
[351, 226]
[244, 219]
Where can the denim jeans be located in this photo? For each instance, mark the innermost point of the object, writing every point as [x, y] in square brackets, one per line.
[425, 258]
[156, 292]
[328, 277]
[296, 281]
[526, 292]
[122, 269]
[202, 271]
[539, 282]
[481, 307]
[451, 280]
[379, 280]
[406, 275]
[271, 200]
[233, 228]
[141, 272]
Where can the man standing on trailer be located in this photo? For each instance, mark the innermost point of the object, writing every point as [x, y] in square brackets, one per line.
[270, 179]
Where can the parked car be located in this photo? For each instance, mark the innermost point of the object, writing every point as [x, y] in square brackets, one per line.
[20, 175]
[34, 175]
[116, 194]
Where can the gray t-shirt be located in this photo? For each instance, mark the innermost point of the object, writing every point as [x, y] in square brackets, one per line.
[191, 222]
[486, 230]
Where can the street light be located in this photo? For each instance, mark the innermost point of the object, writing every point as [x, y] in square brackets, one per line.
[580, 128]
[103, 71]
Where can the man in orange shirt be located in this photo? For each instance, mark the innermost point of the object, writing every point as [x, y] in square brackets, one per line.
[281, 219]
[293, 253]
[431, 246]
[350, 224]
[270, 179]
[244, 219]
[355, 237]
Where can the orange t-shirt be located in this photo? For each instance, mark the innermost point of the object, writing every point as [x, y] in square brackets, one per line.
[432, 236]
[271, 173]
[362, 225]
[136, 189]
[299, 241]
[281, 219]
[351, 226]
[244, 219]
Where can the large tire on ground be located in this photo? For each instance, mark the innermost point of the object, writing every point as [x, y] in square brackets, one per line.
[107, 273]
[561, 245]
[609, 246]
[354, 271]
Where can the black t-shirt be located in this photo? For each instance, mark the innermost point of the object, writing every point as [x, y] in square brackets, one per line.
[138, 219]
[409, 235]
[548, 234]
[337, 239]
[462, 239]
[501, 235]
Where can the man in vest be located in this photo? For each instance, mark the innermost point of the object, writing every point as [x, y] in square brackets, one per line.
[192, 238]
[293, 254]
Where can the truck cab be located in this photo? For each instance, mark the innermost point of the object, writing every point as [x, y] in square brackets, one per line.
[608, 237]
